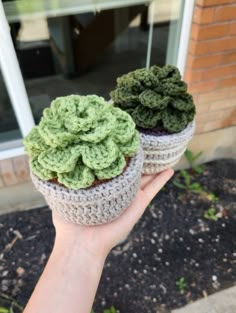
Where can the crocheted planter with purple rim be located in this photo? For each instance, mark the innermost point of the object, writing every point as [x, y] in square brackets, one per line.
[163, 152]
[162, 110]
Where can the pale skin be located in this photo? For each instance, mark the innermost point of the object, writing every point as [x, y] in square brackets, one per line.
[71, 276]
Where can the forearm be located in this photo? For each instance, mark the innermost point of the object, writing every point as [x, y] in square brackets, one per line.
[69, 281]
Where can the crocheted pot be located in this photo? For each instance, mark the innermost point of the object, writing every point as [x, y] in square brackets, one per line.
[95, 205]
[78, 157]
[162, 152]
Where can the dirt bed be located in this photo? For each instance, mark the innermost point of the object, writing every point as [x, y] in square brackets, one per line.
[175, 255]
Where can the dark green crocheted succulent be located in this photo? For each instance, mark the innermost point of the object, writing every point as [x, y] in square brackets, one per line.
[155, 98]
[80, 139]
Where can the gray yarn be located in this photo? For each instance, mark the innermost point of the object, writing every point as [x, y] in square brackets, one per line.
[95, 205]
[162, 152]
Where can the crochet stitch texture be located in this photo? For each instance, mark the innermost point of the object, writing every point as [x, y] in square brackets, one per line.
[80, 139]
[98, 204]
[162, 152]
[155, 98]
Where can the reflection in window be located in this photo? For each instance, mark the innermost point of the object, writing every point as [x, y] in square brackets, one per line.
[9, 129]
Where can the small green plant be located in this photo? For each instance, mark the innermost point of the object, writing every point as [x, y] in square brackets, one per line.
[111, 310]
[181, 284]
[191, 158]
[212, 197]
[211, 214]
[9, 305]
[187, 183]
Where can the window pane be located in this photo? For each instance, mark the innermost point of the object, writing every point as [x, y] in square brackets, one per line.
[83, 53]
[9, 129]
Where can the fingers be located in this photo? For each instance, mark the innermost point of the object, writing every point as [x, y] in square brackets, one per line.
[146, 179]
[133, 213]
[152, 188]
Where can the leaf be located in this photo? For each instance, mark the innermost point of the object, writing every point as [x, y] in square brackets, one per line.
[4, 310]
[196, 187]
[179, 185]
[189, 155]
[197, 156]
[198, 169]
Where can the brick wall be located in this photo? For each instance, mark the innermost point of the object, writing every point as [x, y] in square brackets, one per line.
[14, 171]
[211, 63]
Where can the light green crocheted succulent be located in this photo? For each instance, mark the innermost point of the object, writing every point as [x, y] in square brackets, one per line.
[155, 98]
[80, 139]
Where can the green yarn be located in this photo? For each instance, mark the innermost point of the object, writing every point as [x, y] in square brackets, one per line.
[101, 155]
[59, 160]
[145, 117]
[130, 147]
[123, 122]
[174, 120]
[81, 177]
[40, 171]
[113, 170]
[149, 94]
[80, 139]
[34, 143]
[150, 99]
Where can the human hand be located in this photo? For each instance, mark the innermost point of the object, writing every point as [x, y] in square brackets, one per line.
[100, 239]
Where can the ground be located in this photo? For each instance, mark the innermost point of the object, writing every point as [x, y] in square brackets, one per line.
[173, 240]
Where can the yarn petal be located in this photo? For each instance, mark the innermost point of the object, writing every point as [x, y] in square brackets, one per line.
[153, 100]
[103, 128]
[34, 143]
[40, 171]
[124, 126]
[174, 121]
[101, 155]
[80, 177]
[145, 117]
[115, 169]
[130, 148]
[60, 160]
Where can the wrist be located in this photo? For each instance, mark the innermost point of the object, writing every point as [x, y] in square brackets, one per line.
[78, 245]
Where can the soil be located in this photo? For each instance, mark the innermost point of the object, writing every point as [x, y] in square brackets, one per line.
[158, 131]
[172, 240]
[97, 182]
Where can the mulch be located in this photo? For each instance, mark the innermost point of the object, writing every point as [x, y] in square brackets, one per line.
[172, 240]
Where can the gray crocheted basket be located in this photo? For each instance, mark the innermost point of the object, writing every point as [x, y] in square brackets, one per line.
[162, 152]
[95, 205]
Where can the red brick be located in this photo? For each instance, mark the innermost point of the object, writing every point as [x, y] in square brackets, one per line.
[233, 28]
[216, 115]
[219, 72]
[202, 108]
[199, 128]
[202, 15]
[225, 13]
[8, 174]
[192, 76]
[213, 95]
[213, 125]
[227, 82]
[203, 62]
[202, 87]
[213, 46]
[213, 2]
[232, 92]
[21, 168]
[228, 57]
[222, 104]
[202, 32]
